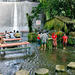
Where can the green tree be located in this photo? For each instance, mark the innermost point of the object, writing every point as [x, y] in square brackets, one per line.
[56, 25]
[29, 19]
[51, 8]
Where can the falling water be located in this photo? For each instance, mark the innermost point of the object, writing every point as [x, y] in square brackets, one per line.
[15, 27]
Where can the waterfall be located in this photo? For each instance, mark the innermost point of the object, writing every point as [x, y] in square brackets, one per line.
[15, 26]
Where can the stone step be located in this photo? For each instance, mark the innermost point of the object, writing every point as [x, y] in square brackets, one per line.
[22, 72]
[71, 65]
[42, 71]
[60, 68]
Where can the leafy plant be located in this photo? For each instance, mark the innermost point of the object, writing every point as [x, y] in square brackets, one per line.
[32, 37]
[56, 25]
[52, 8]
[71, 41]
[72, 34]
[59, 38]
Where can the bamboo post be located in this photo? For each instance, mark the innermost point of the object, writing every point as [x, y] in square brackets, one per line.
[42, 71]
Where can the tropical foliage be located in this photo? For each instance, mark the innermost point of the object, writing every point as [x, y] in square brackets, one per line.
[71, 41]
[51, 8]
[72, 34]
[55, 24]
[32, 37]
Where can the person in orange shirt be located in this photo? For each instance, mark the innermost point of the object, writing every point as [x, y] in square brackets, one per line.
[1, 40]
[65, 40]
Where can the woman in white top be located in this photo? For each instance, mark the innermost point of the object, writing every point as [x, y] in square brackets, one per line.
[11, 35]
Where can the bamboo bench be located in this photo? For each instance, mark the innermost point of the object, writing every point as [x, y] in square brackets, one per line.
[20, 46]
[15, 39]
[12, 40]
[13, 44]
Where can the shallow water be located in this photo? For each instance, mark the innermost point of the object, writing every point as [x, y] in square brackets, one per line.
[40, 59]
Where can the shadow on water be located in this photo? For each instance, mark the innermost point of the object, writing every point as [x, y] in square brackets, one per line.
[40, 59]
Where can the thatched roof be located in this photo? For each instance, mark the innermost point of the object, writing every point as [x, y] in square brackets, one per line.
[65, 19]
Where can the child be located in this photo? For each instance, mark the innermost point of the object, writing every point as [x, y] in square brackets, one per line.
[65, 39]
[54, 37]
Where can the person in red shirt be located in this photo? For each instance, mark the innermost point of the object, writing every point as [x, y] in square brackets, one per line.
[65, 40]
[54, 37]
[38, 40]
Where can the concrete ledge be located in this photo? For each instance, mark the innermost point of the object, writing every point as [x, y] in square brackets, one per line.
[1, 74]
[71, 65]
[60, 68]
[22, 72]
[42, 71]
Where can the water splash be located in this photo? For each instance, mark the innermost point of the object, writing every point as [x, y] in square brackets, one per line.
[15, 26]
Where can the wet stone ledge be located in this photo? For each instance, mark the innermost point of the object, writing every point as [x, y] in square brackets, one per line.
[42, 71]
[22, 72]
[71, 65]
[60, 68]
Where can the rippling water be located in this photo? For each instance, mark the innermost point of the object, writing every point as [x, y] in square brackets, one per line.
[40, 59]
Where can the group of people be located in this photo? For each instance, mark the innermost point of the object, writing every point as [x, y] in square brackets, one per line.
[65, 40]
[42, 39]
[12, 34]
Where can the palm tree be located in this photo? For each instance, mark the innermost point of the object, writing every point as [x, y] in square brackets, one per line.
[55, 24]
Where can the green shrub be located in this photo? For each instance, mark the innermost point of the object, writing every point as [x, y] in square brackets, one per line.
[72, 34]
[60, 33]
[55, 24]
[32, 37]
[71, 41]
[59, 38]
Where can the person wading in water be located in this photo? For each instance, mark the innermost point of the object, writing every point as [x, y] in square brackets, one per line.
[65, 40]
[44, 38]
[54, 37]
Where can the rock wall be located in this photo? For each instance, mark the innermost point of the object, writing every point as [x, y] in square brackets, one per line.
[7, 15]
